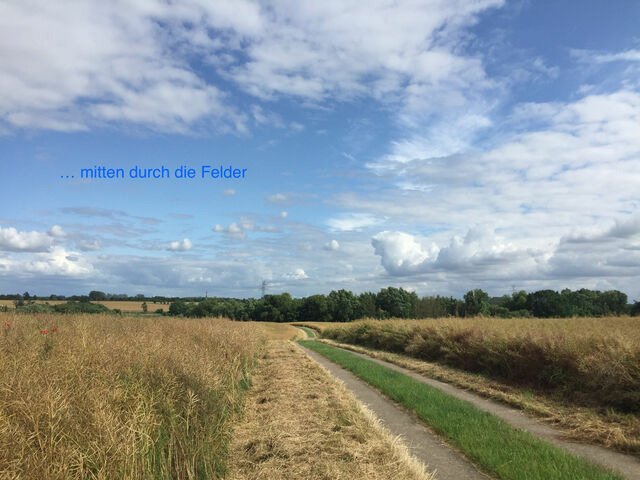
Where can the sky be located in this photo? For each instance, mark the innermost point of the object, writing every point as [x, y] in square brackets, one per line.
[436, 145]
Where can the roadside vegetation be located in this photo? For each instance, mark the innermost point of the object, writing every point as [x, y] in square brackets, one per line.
[497, 448]
[104, 396]
[590, 362]
[606, 427]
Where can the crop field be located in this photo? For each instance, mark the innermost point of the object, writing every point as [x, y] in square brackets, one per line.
[111, 304]
[582, 374]
[100, 396]
[103, 396]
[592, 361]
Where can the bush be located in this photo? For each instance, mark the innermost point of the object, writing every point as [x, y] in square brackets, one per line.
[80, 307]
[35, 308]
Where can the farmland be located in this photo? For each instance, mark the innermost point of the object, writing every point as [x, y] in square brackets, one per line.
[123, 306]
[93, 396]
[581, 373]
[104, 396]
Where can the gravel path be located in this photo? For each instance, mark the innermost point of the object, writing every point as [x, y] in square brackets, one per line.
[423, 444]
[626, 465]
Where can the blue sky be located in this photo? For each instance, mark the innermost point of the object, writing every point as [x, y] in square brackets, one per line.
[438, 146]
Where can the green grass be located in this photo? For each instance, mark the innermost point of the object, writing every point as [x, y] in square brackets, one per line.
[309, 332]
[496, 447]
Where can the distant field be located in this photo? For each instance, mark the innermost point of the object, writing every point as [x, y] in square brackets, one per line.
[103, 396]
[124, 306]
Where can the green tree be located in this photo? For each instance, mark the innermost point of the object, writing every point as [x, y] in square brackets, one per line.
[397, 302]
[344, 306]
[96, 295]
[476, 302]
[315, 309]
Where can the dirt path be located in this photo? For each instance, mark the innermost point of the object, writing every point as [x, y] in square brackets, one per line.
[626, 465]
[423, 444]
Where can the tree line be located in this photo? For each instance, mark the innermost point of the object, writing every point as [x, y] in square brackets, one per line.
[344, 306]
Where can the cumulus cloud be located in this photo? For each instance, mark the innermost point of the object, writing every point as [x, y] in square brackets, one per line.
[401, 253]
[57, 262]
[405, 254]
[14, 241]
[182, 246]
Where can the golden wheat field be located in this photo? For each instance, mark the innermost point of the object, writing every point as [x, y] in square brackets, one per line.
[105, 397]
[589, 361]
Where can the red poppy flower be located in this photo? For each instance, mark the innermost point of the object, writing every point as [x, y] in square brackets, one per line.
[55, 329]
[7, 324]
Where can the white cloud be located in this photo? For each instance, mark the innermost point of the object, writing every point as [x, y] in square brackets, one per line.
[278, 198]
[56, 231]
[353, 221]
[182, 246]
[284, 214]
[593, 56]
[296, 274]
[106, 62]
[14, 241]
[57, 262]
[229, 191]
[332, 245]
[400, 252]
[238, 230]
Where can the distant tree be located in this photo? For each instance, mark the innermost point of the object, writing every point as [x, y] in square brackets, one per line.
[546, 303]
[315, 308]
[178, 308]
[26, 295]
[344, 306]
[518, 301]
[476, 302]
[97, 296]
[397, 302]
[368, 307]
[615, 301]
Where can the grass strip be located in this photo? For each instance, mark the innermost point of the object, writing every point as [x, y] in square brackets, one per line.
[308, 331]
[496, 447]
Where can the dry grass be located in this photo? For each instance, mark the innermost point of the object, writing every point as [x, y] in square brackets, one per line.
[121, 305]
[107, 397]
[618, 431]
[300, 423]
[279, 331]
[588, 361]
